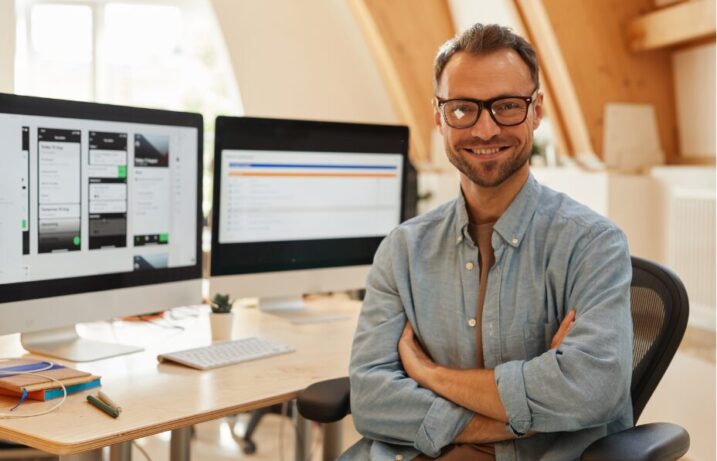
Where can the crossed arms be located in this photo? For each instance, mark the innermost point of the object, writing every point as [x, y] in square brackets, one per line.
[408, 399]
[474, 389]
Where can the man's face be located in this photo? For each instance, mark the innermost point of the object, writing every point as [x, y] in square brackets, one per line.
[488, 153]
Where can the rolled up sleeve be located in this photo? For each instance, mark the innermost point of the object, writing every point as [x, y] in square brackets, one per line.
[386, 404]
[586, 381]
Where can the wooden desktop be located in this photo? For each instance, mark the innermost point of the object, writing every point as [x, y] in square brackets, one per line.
[165, 397]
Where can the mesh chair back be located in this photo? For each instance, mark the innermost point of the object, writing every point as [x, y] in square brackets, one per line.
[659, 318]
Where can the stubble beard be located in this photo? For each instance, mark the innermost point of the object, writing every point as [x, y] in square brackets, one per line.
[483, 174]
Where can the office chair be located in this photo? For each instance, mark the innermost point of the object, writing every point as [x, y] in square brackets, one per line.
[659, 306]
[246, 441]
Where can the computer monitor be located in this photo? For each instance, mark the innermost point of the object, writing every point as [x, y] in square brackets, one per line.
[301, 206]
[100, 217]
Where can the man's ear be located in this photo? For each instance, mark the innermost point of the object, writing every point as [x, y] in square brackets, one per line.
[437, 118]
[538, 110]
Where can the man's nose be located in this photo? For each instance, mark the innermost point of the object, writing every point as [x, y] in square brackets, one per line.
[485, 127]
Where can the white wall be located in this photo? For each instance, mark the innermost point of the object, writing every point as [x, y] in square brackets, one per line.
[302, 59]
[694, 70]
[7, 46]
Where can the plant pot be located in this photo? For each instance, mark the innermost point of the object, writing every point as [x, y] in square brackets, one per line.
[222, 326]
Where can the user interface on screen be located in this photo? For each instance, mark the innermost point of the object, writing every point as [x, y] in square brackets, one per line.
[294, 195]
[86, 197]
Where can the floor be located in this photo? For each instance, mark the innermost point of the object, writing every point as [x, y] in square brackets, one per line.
[214, 441]
[686, 394]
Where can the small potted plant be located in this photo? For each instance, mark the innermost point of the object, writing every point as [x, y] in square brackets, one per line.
[222, 318]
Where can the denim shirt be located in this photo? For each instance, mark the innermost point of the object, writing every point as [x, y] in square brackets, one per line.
[551, 255]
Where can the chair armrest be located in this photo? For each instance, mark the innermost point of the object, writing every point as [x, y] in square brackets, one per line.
[325, 401]
[648, 442]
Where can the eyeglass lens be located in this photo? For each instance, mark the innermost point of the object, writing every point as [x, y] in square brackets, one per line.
[506, 111]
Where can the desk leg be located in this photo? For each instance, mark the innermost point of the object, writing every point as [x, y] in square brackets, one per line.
[332, 441]
[303, 436]
[92, 455]
[121, 452]
[179, 445]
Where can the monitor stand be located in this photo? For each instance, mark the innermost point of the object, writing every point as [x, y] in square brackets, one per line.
[65, 343]
[279, 304]
[293, 309]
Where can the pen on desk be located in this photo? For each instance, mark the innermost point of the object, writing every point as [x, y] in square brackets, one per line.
[106, 398]
[103, 406]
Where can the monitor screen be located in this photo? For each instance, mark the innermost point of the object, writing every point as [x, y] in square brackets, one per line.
[96, 197]
[292, 195]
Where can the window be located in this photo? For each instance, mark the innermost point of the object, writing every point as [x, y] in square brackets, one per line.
[165, 54]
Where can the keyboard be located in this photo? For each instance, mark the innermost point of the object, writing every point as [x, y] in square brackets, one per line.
[226, 353]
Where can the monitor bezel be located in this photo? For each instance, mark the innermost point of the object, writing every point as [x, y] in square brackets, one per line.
[47, 107]
[224, 256]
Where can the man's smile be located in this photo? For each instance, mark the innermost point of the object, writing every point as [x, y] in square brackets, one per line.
[486, 152]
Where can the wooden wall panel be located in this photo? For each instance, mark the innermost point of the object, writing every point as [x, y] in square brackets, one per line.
[560, 95]
[592, 35]
[404, 36]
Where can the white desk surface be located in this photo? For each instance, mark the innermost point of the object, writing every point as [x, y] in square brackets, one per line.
[159, 397]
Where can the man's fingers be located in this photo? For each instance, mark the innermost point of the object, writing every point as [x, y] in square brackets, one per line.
[407, 333]
[568, 320]
[563, 330]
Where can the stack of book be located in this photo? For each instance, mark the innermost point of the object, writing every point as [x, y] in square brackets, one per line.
[37, 384]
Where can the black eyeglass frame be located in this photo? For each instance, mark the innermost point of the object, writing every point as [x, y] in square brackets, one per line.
[486, 104]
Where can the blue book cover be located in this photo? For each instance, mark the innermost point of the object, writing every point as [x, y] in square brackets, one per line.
[71, 389]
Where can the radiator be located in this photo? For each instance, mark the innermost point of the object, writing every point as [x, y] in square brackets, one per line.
[690, 248]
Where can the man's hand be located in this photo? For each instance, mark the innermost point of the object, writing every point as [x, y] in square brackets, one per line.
[415, 361]
[563, 330]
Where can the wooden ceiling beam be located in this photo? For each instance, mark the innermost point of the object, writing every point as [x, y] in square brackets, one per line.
[564, 106]
[686, 22]
[584, 52]
[404, 36]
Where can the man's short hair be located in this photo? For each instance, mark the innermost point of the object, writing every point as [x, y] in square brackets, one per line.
[484, 39]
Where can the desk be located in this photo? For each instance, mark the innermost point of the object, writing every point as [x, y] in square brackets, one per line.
[162, 397]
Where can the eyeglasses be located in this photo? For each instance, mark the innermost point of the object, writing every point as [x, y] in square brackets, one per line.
[505, 110]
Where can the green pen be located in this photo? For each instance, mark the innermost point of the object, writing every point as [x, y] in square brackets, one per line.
[103, 406]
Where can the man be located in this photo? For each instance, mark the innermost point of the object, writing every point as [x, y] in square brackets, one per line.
[462, 349]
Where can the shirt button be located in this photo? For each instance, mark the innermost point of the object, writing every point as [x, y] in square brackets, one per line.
[399, 457]
[469, 265]
[514, 241]
[471, 322]
[459, 239]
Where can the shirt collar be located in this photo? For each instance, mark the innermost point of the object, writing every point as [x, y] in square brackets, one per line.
[461, 218]
[512, 224]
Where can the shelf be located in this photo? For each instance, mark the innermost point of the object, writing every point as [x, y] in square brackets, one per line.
[678, 24]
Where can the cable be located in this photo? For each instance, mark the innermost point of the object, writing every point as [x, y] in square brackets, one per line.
[141, 450]
[34, 373]
[158, 322]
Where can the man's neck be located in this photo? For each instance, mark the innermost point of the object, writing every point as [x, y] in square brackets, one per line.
[487, 204]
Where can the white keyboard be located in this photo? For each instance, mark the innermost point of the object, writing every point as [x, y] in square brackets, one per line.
[226, 353]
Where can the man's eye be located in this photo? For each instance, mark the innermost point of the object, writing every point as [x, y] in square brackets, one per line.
[458, 113]
[507, 106]
[462, 110]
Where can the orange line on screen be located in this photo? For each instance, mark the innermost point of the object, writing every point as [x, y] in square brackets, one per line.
[330, 175]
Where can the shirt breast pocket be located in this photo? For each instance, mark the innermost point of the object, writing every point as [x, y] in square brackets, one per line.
[524, 345]
[536, 339]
